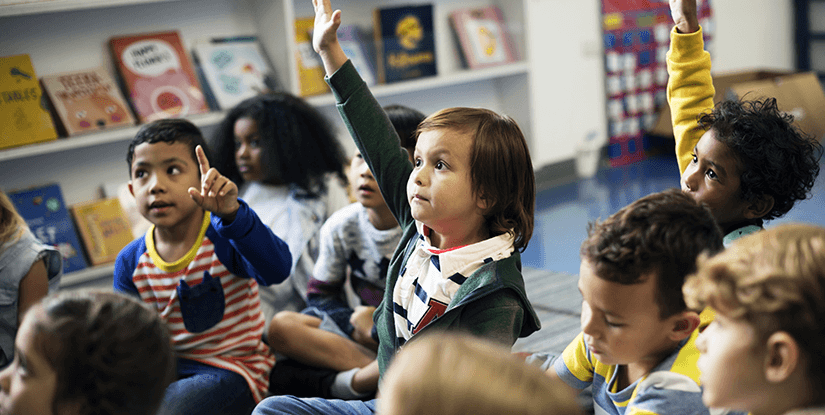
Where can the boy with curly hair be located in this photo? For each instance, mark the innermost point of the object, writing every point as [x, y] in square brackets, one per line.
[746, 161]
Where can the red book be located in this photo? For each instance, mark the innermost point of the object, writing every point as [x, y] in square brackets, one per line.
[158, 76]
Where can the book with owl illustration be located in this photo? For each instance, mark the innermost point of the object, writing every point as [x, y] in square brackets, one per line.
[24, 117]
[482, 36]
[234, 69]
[86, 101]
[405, 42]
[158, 76]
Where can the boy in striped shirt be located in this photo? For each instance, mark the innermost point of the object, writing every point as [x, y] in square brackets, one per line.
[200, 265]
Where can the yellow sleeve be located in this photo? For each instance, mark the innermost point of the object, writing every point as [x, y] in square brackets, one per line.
[689, 90]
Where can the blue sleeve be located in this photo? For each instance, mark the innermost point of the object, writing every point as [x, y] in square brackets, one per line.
[125, 266]
[249, 249]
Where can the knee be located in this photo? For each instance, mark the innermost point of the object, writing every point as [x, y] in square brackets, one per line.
[280, 327]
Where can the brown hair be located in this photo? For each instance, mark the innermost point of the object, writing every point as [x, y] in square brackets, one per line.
[453, 374]
[500, 166]
[774, 280]
[660, 234]
[111, 353]
[11, 223]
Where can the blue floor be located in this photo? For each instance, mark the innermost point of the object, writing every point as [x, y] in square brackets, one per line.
[563, 212]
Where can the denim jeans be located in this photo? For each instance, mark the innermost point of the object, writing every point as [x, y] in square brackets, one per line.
[277, 405]
[204, 389]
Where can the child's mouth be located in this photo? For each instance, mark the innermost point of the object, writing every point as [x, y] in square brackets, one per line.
[159, 206]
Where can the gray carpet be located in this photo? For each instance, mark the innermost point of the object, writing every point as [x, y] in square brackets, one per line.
[557, 302]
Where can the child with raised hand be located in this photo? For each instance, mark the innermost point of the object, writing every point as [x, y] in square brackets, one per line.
[466, 208]
[199, 265]
[29, 270]
[88, 353]
[764, 352]
[289, 167]
[745, 159]
[637, 347]
[335, 331]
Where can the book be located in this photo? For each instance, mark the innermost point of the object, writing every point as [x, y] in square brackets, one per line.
[48, 218]
[405, 42]
[310, 68]
[482, 36]
[157, 75]
[85, 101]
[103, 228]
[234, 69]
[358, 51]
[24, 118]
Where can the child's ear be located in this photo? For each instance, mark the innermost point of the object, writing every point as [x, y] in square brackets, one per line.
[684, 324]
[132, 191]
[760, 207]
[782, 357]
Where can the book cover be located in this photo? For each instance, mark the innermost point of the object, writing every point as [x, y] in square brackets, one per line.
[482, 36]
[157, 75]
[358, 51]
[24, 117]
[85, 101]
[310, 68]
[48, 218]
[405, 42]
[234, 69]
[103, 227]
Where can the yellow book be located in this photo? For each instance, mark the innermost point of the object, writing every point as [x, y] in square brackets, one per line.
[103, 227]
[310, 67]
[24, 119]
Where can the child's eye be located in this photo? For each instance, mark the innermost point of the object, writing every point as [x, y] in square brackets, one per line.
[711, 174]
[256, 143]
[694, 158]
[237, 144]
[440, 165]
[417, 162]
[612, 324]
[139, 174]
[174, 170]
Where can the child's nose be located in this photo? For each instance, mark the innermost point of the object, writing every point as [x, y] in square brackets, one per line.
[156, 185]
[419, 177]
[588, 322]
[690, 179]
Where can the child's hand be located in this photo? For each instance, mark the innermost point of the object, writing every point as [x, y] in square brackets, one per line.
[361, 320]
[218, 194]
[684, 15]
[325, 36]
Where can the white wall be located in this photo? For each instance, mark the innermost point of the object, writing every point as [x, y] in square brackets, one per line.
[564, 44]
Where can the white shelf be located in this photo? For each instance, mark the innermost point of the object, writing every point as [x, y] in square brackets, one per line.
[49, 6]
[87, 275]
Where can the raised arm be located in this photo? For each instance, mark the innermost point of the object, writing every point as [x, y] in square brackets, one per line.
[325, 36]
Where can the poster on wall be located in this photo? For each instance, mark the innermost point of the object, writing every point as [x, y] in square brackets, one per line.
[636, 39]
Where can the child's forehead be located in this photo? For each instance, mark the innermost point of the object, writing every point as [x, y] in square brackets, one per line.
[163, 150]
[624, 299]
[443, 140]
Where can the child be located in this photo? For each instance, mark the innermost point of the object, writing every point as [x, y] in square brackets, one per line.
[29, 270]
[335, 331]
[88, 353]
[745, 160]
[636, 349]
[443, 374]
[282, 153]
[466, 213]
[200, 265]
[764, 351]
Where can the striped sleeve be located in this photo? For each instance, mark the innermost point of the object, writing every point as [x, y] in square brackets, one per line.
[575, 366]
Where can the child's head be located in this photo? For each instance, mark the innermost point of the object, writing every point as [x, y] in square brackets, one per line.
[633, 266]
[752, 164]
[88, 353]
[768, 337]
[490, 175]
[11, 223]
[278, 139]
[453, 374]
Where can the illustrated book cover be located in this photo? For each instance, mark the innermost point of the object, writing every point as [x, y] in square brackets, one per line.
[405, 42]
[24, 116]
[310, 69]
[103, 228]
[234, 69]
[86, 101]
[158, 75]
[483, 37]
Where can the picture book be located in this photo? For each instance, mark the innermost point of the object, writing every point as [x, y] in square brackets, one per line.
[310, 69]
[48, 218]
[103, 228]
[85, 101]
[24, 118]
[157, 75]
[405, 42]
[234, 69]
[483, 37]
[358, 51]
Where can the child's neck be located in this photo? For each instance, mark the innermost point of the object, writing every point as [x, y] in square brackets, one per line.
[629, 373]
[447, 240]
[381, 218]
[172, 243]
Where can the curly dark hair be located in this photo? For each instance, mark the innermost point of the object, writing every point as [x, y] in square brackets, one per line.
[776, 158]
[298, 143]
[111, 353]
[661, 234]
[169, 130]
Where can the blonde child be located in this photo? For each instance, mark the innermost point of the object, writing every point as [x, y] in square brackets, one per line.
[29, 270]
[466, 208]
[764, 351]
[88, 353]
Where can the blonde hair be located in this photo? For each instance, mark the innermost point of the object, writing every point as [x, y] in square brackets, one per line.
[774, 280]
[11, 223]
[453, 374]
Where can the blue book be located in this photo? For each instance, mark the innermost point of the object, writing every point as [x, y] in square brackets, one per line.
[46, 213]
[405, 42]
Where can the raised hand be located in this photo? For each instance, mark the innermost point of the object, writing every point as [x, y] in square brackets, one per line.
[684, 15]
[218, 194]
[325, 36]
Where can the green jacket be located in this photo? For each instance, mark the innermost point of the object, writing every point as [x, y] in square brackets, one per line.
[492, 303]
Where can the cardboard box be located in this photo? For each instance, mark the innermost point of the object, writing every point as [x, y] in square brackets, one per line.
[800, 94]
